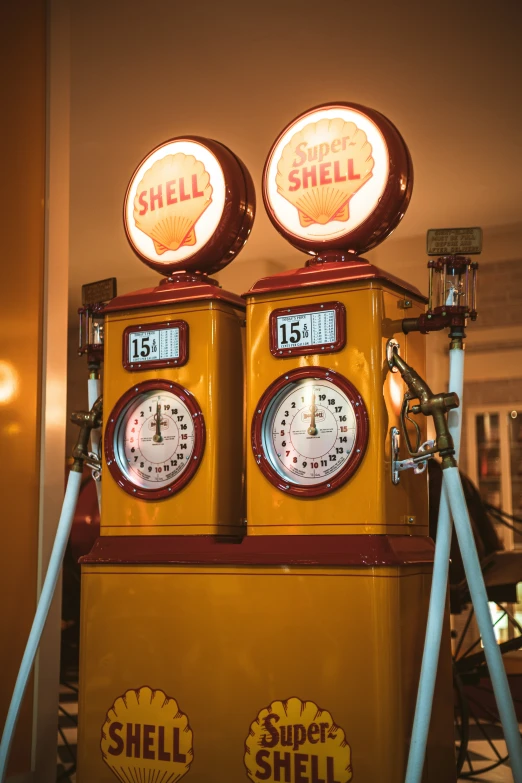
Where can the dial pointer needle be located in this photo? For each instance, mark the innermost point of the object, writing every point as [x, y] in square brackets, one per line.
[157, 438]
[312, 429]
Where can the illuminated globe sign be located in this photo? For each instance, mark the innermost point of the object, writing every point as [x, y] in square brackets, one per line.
[189, 206]
[338, 177]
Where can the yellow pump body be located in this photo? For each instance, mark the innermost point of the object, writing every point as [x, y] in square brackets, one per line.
[369, 502]
[212, 502]
[291, 653]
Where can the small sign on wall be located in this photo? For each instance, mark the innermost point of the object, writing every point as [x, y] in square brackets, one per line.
[454, 241]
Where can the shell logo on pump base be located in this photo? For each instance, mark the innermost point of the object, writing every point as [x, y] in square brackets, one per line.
[146, 737]
[294, 741]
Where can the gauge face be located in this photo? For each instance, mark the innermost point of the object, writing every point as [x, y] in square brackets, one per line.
[310, 431]
[155, 439]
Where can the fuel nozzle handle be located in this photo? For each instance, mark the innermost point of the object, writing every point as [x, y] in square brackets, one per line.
[87, 421]
[430, 404]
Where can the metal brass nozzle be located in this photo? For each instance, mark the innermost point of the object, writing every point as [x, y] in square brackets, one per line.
[87, 421]
[430, 404]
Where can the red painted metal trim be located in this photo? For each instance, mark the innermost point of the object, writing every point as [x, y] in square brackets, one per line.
[331, 273]
[336, 550]
[185, 289]
[359, 446]
[236, 220]
[392, 204]
[199, 440]
[156, 364]
[308, 350]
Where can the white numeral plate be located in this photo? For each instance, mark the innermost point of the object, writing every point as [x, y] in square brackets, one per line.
[154, 345]
[303, 329]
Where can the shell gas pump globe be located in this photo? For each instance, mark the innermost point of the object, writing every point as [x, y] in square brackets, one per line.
[173, 388]
[321, 398]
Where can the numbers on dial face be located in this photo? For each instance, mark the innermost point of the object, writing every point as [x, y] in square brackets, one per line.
[155, 439]
[309, 431]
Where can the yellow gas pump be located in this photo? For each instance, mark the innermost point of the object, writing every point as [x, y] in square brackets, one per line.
[173, 429]
[324, 407]
[287, 650]
[173, 390]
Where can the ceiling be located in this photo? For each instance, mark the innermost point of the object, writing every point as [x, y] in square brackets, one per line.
[448, 74]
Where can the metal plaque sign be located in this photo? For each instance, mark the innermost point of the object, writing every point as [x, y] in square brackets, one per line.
[150, 346]
[319, 328]
[454, 241]
[98, 292]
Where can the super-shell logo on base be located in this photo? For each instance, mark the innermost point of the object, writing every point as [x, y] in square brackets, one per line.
[296, 740]
[146, 737]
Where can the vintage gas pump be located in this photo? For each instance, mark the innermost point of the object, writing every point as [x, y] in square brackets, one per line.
[324, 402]
[173, 430]
[173, 393]
[289, 653]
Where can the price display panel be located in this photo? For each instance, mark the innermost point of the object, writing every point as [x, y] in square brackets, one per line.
[148, 346]
[319, 328]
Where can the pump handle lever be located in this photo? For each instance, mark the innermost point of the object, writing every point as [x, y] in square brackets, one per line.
[435, 405]
[87, 421]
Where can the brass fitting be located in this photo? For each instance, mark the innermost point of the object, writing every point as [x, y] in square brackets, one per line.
[87, 422]
[434, 405]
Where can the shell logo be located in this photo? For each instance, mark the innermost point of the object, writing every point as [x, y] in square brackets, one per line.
[146, 737]
[338, 179]
[322, 167]
[174, 202]
[294, 741]
[170, 200]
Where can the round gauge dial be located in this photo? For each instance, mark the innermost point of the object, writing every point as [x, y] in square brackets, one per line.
[154, 439]
[310, 431]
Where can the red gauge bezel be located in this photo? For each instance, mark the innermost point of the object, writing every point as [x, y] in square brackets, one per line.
[359, 446]
[315, 348]
[236, 221]
[156, 363]
[199, 439]
[391, 206]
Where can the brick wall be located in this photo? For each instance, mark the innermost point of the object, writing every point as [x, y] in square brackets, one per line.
[500, 294]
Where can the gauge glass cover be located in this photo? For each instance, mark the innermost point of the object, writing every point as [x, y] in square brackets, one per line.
[156, 441]
[312, 432]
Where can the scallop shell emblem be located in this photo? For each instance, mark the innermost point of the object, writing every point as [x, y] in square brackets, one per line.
[322, 167]
[304, 732]
[170, 199]
[146, 737]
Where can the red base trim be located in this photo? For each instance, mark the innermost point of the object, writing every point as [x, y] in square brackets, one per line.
[341, 550]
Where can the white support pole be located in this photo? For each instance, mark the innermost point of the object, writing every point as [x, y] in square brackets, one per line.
[479, 597]
[430, 658]
[44, 603]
